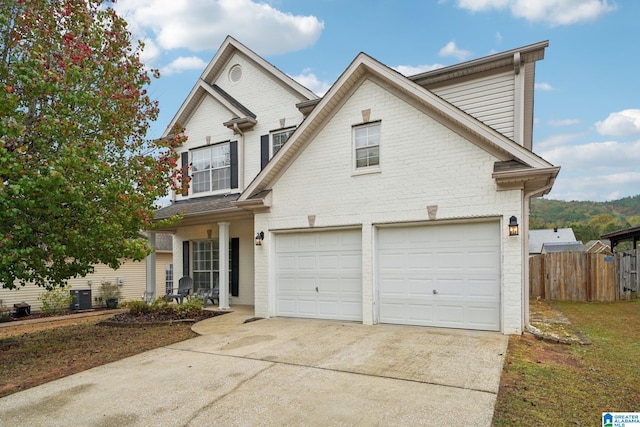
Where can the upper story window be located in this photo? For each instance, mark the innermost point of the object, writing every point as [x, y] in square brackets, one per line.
[211, 168]
[367, 145]
[278, 139]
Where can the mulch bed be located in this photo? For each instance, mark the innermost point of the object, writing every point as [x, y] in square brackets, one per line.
[127, 319]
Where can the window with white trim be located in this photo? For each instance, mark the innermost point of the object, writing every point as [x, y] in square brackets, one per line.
[168, 278]
[367, 145]
[279, 138]
[211, 168]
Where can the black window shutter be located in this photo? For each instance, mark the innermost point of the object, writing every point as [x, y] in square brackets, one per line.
[233, 148]
[185, 258]
[235, 267]
[185, 166]
[264, 151]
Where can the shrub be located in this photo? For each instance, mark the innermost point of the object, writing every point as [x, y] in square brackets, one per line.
[55, 300]
[139, 308]
[109, 291]
[190, 308]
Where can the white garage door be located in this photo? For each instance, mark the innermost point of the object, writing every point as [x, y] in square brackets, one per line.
[319, 275]
[440, 275]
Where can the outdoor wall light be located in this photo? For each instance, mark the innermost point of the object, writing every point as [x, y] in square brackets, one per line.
[513, 226]
[259, 238]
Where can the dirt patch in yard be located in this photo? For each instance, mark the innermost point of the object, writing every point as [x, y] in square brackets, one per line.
[35, 352]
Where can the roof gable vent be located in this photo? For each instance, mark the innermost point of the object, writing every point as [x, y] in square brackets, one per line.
[235, 73]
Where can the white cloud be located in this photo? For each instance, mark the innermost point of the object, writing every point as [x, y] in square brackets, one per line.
[199, 25]
[181, 64]
[556, 140]
[450, 49]
[623, 123]
[410, 70]
[595, 156]
[553, 12]
[564, 122]
[602, 187]
[311, 82]
[545, 87]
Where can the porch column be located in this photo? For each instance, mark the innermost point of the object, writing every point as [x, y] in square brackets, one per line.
[151, 267]
[223, 267]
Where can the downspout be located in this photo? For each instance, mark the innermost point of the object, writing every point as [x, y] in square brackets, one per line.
[525, 249]
[237, 130]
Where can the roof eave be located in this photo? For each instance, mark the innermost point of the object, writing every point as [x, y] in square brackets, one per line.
[530, 53]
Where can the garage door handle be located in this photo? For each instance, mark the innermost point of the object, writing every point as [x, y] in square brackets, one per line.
[316, 289]
[435, 292]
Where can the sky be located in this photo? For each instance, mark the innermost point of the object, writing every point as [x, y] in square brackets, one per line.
[587, 97]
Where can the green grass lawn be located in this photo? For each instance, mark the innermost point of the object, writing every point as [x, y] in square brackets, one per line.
[547, 384]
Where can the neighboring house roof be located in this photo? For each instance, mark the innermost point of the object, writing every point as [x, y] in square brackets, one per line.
[239, 114]
[164, 242]
[533, 173]
[538, 237]
[597, 246]
[557, 247]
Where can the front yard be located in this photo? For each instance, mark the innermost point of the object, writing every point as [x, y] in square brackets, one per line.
[550, 384]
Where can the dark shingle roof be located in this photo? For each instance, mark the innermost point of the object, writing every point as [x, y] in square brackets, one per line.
[164, 242]
[200, 205]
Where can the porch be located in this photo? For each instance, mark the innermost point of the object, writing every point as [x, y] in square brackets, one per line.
[213, 244]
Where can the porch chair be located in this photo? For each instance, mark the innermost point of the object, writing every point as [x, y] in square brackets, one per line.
[184, 288]
[209, 294]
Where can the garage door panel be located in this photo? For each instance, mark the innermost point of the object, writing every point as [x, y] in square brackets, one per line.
[286, 263]
[420, 314]
[328, 262]
[326, 271]
[351, 262]
[461, 262]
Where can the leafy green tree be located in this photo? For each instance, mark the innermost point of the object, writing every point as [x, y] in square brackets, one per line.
[78, 179]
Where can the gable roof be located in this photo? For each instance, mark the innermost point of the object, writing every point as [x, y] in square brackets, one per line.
[205, 86]
[538, 237]
[533, 171]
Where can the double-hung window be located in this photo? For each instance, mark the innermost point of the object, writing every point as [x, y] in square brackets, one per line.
[367, 145]
[278, 139]
[211, 168]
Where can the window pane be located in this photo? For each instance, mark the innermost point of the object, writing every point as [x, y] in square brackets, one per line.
[367, 145]
[221, 179]
[278, 140]
[200, 182]
[367, 157]
[201, 160]
[221, 156]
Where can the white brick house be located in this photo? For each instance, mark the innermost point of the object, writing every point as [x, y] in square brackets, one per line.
[389, 202]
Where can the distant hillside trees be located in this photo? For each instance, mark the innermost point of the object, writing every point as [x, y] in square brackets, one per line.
[589, 220]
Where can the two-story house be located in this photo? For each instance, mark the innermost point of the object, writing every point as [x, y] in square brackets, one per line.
[391, 199]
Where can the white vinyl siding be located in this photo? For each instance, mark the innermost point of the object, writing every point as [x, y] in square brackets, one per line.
[490, 99]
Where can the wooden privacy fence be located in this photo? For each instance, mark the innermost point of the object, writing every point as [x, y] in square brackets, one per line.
[627, 264]
[574, 276]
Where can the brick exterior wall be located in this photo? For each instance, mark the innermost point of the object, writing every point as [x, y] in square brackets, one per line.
[422, 163]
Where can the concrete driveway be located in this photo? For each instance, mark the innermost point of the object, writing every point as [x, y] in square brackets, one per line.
[282, 372]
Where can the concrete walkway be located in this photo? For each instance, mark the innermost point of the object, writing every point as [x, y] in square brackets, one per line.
[282, 372]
